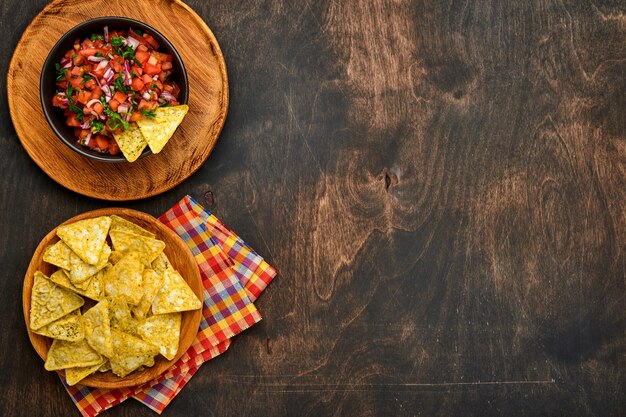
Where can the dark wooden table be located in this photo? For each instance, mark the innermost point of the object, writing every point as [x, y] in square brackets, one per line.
[441, 186]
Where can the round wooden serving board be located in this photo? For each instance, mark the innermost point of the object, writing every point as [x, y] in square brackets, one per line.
[181, 259]
[187, 149]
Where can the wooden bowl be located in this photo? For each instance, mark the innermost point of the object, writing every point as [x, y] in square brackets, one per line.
[181, 259]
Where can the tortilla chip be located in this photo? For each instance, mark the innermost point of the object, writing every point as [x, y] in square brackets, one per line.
[98, 328]
[152, 283]
[58, 255]
[130, 242]
[69, 327]
[158, 130]
[124, 279]
[49, 302]
[130, 353]
[175, 295]
[81, 271]
[75, 375]
[115, 257]
[119, 223]
[94, 290]
[106, 366]
[86, 237]
[121, 319]
[64, 354]
[162, 330]
[161, 263]
[131, 142]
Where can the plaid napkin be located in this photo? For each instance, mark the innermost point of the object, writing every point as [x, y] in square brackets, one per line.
[233, 276]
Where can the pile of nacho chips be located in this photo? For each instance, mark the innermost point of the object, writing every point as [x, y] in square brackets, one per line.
[108, 308]
[154, 132]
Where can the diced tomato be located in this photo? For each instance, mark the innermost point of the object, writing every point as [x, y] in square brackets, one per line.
[146, 79]
[137, 84]
[166, 65]
[59, 102]
[98, 108]
[160, 56]
[96, 93]
[114, 104]
[136, 35]
[151, 69]
[114, 149]
[91, 84]
[147, 105]
[119, 96]
[76, 71]
[87, 43]
[117, 64]
[83, 96]
[141, 56]
[141, 48]
[175, 90]
[76, 81]
[83, 134]
[102, 142]
[151, 41]
[163, 76]
[98, 72]
[73, 121]
[136, 70]
[135, 116]
[62, 84]
[78, 59]
[91, 51]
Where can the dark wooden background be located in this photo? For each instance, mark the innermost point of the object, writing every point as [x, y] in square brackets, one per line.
[441, 185]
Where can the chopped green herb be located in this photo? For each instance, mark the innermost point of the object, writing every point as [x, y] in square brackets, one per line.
[60, 71]
[153, 86]
[96, 126]
[148, 113]
[119, 83]
[86, 78]
[94, 36]
[98, 53]
[115, 120]
[74, 56]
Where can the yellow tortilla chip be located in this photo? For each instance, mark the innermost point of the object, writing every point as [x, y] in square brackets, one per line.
[131, 142]
[58, 255]
[162, 330]
[130, 242]
[49, 302]
[124, 279]
[115, 257]
[106, 366]
[98, 328]
[121, 319]
[119, 223]
[86, 237]
[175, 295]
[158, 130]
[130, 353]
[81, 271]
[75, 375]
[152, 283]
[64, 354]
[68, 327]
[161, 263]
[94, 290]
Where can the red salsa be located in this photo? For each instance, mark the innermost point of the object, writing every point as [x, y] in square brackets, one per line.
[109, 80]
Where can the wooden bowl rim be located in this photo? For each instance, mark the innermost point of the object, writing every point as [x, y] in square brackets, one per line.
[161, 364]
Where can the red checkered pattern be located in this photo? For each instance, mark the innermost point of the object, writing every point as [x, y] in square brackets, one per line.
[226, 265]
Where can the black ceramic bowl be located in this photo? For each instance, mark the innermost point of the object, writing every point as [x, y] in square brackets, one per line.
[47, 86]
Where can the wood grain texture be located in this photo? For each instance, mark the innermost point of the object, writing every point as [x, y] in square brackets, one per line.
[440, 185]
[185, 152]
[179, 256]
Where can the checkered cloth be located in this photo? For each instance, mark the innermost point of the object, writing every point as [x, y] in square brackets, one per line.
[233, 276]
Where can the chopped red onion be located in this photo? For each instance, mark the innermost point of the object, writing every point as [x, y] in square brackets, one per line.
[146, 95]
[65, 63]
[87, 139]
[85, 125]
[123, 108]
[107, 91]
[65, 102]
[126, 117]
[92, 102]
[108, 75]
[102, 65]
[132, 42]
[94, 58]
[106, 34]
[128, 79]
[167, 95]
